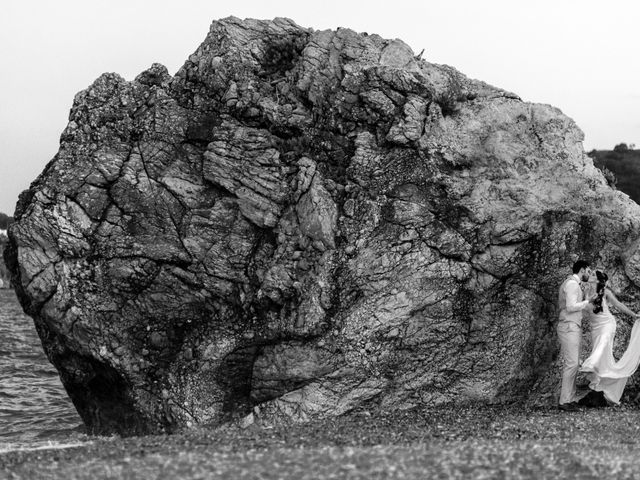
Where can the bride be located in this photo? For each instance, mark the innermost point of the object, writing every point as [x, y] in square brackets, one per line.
[607, 375]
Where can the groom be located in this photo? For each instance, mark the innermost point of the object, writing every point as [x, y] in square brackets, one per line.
[571, 303]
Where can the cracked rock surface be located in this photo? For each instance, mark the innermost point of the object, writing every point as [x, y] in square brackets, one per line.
[299, 222]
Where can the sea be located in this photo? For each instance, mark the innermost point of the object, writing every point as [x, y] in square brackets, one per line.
[35, 411]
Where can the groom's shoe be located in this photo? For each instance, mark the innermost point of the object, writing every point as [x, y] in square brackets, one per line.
[568, 407]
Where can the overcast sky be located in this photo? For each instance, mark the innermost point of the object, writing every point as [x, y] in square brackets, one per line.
[579, 55]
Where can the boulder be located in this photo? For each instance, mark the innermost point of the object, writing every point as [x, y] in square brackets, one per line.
[299, 223]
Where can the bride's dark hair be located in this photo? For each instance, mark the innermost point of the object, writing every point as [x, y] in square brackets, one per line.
[602, 283]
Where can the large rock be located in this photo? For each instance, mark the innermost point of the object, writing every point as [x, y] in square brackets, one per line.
[300, 222]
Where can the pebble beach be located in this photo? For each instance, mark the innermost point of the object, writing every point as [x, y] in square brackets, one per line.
[469, 442]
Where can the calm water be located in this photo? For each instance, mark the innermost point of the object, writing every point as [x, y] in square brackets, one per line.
[34, 408]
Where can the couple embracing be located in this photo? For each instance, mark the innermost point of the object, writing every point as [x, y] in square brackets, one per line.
[585, 293]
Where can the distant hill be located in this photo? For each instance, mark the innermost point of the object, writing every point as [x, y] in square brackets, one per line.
[5, 221]
[624, 162]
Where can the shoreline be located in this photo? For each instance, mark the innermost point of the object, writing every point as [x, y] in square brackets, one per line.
[492, 441]
[47, 445]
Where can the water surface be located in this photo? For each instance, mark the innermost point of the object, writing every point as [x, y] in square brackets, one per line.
[34, 407]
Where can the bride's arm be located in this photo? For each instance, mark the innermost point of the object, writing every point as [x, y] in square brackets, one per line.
[614, 302]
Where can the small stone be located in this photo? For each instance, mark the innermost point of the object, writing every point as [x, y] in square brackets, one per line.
[318, 245]
[349, 207]
[157, 340]
[325, 300]
[247, 421]
[304, 242]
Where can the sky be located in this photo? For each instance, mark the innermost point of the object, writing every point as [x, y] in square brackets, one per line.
[578, 55]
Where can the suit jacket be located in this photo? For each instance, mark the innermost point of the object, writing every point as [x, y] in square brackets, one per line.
[570, 301]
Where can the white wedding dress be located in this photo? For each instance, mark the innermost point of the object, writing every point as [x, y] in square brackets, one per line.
[607, 375]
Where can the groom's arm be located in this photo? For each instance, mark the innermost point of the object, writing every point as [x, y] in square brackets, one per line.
[574, 297]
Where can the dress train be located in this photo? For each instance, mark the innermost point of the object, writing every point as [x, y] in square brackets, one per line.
[607, 375]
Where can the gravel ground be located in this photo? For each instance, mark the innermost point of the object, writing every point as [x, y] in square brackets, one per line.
[485, 442]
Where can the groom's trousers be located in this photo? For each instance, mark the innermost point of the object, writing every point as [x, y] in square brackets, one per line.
[570, 336]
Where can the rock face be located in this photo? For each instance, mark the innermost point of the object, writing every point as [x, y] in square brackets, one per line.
[300, 222]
